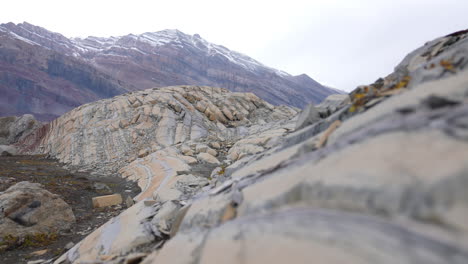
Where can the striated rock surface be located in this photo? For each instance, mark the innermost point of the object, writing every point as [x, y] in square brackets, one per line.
[27, 209]
[378, 177]
[108, 134]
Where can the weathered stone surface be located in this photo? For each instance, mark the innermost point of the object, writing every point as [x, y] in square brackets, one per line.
[105, 134]
[374, 177]
[107, 200]
[302, 235]
[154, 171]
[381, 180]
[258, 142]
[27, 209]
[190, 242]
[118, 236]
[6, 150]
[332, 103]
[308, 116]
[215, 145]
[163, 220]
[14, 129]
[186, 150]
[200, 148]
[207, 158]
[180, 187]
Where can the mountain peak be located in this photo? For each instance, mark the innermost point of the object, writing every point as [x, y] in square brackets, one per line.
[103, 66]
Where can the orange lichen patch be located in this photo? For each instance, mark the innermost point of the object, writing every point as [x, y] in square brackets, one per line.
[403, 83]
[392, 92]
[365, 94]
[358, 99]
[359, 96]
[447, 64]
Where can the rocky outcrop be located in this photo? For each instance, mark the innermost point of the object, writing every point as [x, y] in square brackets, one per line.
[6, 150]
[27, 209]
[47, 74]
[14, 129]
[376, 176]
[111, 133]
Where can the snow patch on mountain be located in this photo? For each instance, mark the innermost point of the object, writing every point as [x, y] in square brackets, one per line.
[175, 38]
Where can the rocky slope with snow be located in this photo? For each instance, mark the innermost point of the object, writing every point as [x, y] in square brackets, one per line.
[47, 74]
[379, 176]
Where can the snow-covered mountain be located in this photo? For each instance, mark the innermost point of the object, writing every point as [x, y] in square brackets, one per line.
[134, 62]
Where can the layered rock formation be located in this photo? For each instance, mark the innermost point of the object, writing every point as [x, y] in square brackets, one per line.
[107, 134]
[376, 177]
[47, 74]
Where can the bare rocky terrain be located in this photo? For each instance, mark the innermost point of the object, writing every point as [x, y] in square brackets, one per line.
[75, 188]
[376, 176]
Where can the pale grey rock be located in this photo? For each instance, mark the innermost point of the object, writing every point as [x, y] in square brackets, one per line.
[212, 152]
[14, 129]
[190, 242]
[106, 135]
[455, 88]
[162, 221]
[180, 187]
[332, 103]
[389, 185]
[69, 245]
[205, 213]
[120, 235]
[168, 194]
[307, 117]
[27, 209]
[203, 148]
[215, 145]
[39, 261]
[374, 177]
[299, 235]
[186, 150]
[8, 150]
[208, 158]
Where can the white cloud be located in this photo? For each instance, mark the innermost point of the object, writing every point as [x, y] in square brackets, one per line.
[340, 43]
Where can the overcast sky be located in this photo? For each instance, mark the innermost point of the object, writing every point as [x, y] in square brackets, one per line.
[341, 43]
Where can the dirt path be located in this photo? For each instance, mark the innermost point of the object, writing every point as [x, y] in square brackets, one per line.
[75, 188]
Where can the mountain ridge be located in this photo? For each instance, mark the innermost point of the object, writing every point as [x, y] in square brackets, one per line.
[157, 59]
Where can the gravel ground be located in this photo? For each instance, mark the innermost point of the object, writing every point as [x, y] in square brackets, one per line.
[75, 188]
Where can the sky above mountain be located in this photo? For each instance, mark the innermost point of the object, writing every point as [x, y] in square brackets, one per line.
[340, 43]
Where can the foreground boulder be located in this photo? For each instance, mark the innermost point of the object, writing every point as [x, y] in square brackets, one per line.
[28, 209]
[308, 116]
[8, 150]
[381, 177]
[14, 129]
